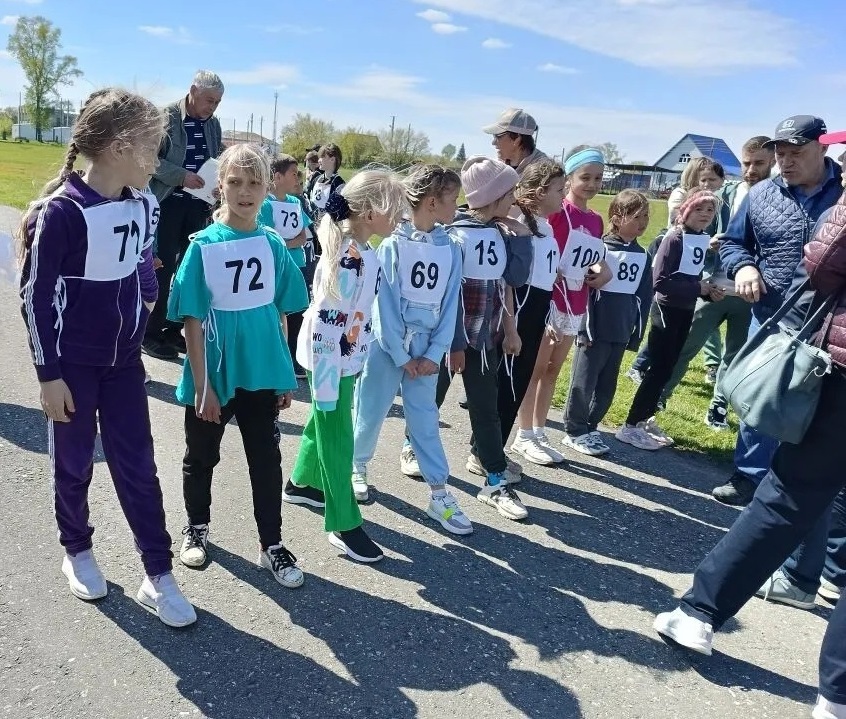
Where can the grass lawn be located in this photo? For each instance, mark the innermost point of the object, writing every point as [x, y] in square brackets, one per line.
[25, 167]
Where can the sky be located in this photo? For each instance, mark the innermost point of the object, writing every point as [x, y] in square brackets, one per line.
[638, 73]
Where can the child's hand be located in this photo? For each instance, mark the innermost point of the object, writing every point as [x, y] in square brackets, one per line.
[211, 408]
[599, 275]
[426, 368]
[456, 362]
[717, 293]
[410, 368]
[283, 401]
[518, 228]
[512, 344]
[56, 400]
[552, 334]
[157, 263]
[705, 288]
[714, 243]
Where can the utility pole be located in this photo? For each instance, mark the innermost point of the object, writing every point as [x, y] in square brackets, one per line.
[393, 122]
[261, 127]
[275, 107]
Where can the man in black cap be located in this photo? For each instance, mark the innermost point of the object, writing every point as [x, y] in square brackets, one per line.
[761, 251]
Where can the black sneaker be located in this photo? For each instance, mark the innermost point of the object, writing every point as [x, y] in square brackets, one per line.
[299, 371]
[463, 401]
[177, 341]
[356, 545]
[159, 349]
[292, 494]
[717, 416]
[737, 492]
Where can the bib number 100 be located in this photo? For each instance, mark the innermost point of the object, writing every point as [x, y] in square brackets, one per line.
[238, 265]
[420, 273]
[584, 257]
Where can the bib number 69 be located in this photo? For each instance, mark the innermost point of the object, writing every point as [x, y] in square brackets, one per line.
[418, 277]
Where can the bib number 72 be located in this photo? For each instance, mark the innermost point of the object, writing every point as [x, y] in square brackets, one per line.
[238, 265]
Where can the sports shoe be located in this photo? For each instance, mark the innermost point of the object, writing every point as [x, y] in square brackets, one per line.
[513, 471]
[825, 709]
[283, 565]
[356, 545]
[635, 375]
[684, 630]
[737, 492]
[711, 374]
[828, 590]
[408, 461]
[503, 498]
[292, 494]
[163, 597]
[299, 371]
[445, 509]
[85, 579]
[637, 437]
[194, 552]
[599, 443]
[717, 416]
[544, 442]
[359, 485]
[778, 588]
[658, 434]
[159, 349]
[584, 443]
[176, 340]
[530, 449]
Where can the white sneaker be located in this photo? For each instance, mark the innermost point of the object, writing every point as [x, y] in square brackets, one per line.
[544, 442]
[658, 434]
[194, 552]
[163, 597]
[583, 443]
[599, 443]
[359, 483]
[529, 448]
[147, 377]
[504, 499]
[475, 466]
[283, 565]
[828, 590]
[685, 630]
[446, 511]
[513, 472]
[825, 709]
[638, 437]
[85, 579]
[408, 462]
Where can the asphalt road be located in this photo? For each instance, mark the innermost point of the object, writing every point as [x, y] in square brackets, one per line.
[550, 617]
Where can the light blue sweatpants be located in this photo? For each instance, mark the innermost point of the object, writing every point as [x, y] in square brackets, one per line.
[375, 392]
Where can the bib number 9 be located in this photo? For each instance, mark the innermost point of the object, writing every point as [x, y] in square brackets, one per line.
[492, 257]
[698, 255]
[128, 231]
[238, 265]
[418, 277]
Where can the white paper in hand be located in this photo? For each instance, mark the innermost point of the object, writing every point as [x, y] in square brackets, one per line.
[209, 174]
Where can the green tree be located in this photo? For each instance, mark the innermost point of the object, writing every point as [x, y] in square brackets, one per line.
[303, 132]
[35, 44]
[6, 122]
[358, 146]
[611, 152]
[403, 146]
[448, 152]
[462, 154]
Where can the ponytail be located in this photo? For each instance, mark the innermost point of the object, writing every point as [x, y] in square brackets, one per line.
[529, 218]
[331, 238]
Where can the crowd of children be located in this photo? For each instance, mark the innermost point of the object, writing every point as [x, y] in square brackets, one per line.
[495, 296]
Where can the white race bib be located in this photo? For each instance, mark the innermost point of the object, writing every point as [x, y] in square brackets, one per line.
[693, 253]
[116, 235]
[240, 274]
[484, 252]
[287, 218]
[544, 262]
[626, 271]
[581, 251]
[320, 193]
[424, 271]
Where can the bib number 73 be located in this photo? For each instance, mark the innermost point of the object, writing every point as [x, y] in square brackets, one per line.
[238, 265]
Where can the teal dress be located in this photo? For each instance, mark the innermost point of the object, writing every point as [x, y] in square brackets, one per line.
[266, 218]
[238, 284]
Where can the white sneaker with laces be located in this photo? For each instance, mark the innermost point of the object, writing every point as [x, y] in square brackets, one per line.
[599, 443]
[163, 597]
[513, 472]
[637, 437]
[503, 499]
[583, 443]
[194, 552]
[445, 510]
[544, 442]
[658, 434]
[283, 565]
[85, 579]
[530, 449]
[825, 709]
[685, 630]
[408, 462]
[360, 487]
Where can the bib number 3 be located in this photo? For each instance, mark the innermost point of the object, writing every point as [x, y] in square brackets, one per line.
[238, 265]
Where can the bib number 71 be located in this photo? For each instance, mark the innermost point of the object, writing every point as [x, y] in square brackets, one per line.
[238, 265]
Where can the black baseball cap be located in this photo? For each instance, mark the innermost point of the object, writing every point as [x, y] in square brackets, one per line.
[798, 130]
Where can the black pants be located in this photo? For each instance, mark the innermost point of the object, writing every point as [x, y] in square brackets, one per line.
[593, 382]
[481, 388]
[803, 482]
[667, 335]
[256, 414]
[531, 322]
[181, 216]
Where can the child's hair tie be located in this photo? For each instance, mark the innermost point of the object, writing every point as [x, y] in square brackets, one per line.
[337, 207]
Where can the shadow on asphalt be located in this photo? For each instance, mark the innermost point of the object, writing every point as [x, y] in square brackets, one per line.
[26, 428]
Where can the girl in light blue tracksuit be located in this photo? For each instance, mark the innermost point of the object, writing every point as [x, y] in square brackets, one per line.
[414, 323]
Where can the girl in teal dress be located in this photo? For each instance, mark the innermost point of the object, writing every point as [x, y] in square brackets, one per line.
[233, 289]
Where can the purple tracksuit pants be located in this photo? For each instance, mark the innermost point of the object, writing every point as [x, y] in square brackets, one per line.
[117, 397]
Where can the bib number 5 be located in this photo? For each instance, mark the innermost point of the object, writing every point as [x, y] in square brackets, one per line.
[418, 277]
[238, 265]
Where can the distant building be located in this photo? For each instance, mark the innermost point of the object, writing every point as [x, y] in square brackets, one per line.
[690, 146]
[237, 137]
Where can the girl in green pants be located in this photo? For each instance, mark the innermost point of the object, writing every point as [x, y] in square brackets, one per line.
[332, 346]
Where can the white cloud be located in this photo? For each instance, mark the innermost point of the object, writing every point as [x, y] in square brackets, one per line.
[447, 28]
[271, 74]
[434, 16]
[494, 43]
[179, 35]
[560, 69]
[5, 55]
[9, 20]
[645, 32]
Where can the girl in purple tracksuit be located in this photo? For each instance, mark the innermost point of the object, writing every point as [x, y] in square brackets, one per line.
[88, 286]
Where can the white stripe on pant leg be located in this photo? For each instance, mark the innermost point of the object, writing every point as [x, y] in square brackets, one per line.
[51, 451]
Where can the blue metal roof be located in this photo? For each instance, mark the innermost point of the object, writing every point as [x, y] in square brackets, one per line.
[716, 149]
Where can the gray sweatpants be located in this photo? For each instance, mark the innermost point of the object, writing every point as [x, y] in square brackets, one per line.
[593, 382]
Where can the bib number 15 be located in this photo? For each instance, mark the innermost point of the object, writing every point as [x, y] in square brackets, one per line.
[492, 257]
[238, 265]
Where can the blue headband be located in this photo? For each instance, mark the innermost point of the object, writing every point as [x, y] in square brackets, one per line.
[583, 157]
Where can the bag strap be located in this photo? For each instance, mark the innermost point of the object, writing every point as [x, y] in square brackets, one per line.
[791, 300]
[824, 309]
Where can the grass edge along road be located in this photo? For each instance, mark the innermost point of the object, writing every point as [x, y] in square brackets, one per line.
[25, 167]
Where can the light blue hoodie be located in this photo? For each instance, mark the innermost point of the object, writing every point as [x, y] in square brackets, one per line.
[413, 298]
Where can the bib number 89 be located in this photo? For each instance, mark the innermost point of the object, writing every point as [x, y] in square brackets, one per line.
[238, 265]
[627, 272]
